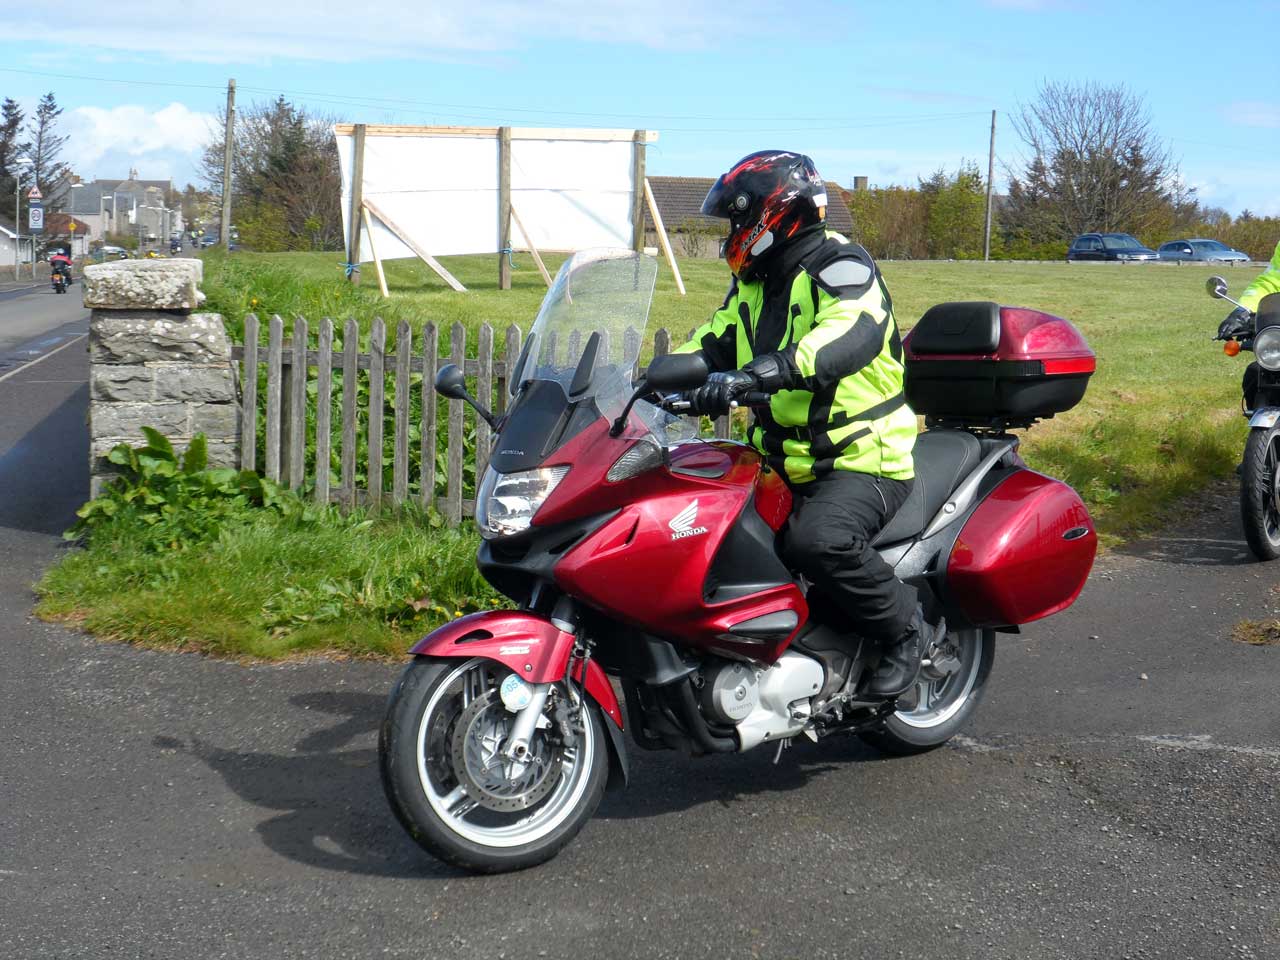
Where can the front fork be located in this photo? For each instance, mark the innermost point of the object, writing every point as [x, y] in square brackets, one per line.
[564, 616]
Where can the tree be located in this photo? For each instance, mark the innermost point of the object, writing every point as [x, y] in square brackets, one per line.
[1095, 163]
[11, 118]
[286, 187]
[957, 213]
[43, 149]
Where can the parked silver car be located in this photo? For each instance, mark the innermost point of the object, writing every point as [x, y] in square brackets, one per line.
[1207, 250]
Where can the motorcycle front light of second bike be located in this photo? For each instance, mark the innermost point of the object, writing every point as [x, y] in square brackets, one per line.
[507, 502]
[1266, 347]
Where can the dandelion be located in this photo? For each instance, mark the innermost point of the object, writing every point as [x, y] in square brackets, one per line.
[253, 301]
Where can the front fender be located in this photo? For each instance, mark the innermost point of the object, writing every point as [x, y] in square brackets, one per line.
[1264, 417]
[531, 646]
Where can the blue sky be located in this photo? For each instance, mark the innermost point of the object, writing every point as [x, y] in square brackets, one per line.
[888, 90]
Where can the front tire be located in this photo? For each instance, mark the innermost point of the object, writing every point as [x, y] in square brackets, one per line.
[946, 702]
[1260, 492]
[431, 769]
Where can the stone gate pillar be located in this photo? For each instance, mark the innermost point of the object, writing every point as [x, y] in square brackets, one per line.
[155, 362]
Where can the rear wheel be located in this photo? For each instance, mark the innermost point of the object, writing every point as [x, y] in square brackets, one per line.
[457, 795]
[1260, 492]
[949, 690]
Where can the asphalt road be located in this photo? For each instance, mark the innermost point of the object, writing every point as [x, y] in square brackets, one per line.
[1114, 798]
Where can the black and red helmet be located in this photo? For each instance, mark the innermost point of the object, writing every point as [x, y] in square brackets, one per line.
[768, 198]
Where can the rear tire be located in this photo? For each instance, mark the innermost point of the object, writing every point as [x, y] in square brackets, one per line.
[420, 778]
[945, 705]
[1260, 493]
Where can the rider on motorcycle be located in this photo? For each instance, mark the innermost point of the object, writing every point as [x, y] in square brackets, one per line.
[60, 263]
[808, 319]
[1239, 322]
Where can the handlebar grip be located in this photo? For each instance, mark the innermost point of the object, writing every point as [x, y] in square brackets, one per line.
[755, 398]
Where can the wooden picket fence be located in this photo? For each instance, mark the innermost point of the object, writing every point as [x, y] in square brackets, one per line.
[288, 373]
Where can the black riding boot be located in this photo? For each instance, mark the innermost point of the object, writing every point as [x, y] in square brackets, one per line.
[900, 664]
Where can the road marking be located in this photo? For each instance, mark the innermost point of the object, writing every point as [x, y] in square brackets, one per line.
[44, 356]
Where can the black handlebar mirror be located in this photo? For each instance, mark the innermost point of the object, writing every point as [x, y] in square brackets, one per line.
[1216, 287]
[677, 371]
[451, 383]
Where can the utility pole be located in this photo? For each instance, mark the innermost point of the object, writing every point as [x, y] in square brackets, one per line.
[991, 172]
[228, 145]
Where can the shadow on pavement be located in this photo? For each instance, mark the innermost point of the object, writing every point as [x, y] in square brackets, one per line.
[45, 474]
[331, 810]
[665, 782]
[332, 813]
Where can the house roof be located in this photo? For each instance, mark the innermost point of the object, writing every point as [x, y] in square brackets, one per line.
[679, 200]
[60, 223]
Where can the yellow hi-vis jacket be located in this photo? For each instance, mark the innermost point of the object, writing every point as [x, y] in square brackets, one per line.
[1265, 283]
[824, 309]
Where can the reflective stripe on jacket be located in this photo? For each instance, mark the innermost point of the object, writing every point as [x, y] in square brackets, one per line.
[823, 308]
[1265, 283]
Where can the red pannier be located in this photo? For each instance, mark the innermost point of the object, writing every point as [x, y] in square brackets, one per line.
[979, 364]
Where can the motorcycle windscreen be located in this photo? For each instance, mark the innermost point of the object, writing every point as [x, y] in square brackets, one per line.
[1023, 554]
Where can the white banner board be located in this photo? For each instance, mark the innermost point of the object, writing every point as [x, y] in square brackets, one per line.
[571, 189]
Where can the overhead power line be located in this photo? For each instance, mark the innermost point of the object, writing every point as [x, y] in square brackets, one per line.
[484, 112]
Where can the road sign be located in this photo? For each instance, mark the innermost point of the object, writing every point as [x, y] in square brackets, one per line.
[35, 194]
[72, 227]
[35, 218]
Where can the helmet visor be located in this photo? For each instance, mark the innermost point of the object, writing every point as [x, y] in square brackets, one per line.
[718, 201]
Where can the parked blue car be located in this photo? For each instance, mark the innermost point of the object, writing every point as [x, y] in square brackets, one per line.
[1204, 250]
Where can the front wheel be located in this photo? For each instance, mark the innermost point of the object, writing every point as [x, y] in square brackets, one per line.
[1259, 493]
[452, 789]
[949, 690]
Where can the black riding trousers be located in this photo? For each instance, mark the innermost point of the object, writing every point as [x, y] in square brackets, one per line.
[828, 538]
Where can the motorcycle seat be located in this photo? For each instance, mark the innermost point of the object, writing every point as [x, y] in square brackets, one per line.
[943, 458]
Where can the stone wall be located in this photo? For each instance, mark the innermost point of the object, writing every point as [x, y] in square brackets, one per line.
[155, 362]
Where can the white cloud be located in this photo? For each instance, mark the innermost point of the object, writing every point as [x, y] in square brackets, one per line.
[238, 31]
[159, 143]
[1254, 113]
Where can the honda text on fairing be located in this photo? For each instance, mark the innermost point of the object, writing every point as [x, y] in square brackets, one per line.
[1259, 331]
[634, 550]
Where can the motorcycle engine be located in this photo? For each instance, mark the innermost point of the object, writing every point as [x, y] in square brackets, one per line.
[730, 692]
[763, 703]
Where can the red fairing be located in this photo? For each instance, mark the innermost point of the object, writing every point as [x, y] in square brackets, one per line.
[773, 499]
[1025, 553]
[648, 565]
[532, 647]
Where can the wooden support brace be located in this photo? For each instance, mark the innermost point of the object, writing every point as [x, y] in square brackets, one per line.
[528, 242]
[373, 251]
[662, 235]
[404, 237]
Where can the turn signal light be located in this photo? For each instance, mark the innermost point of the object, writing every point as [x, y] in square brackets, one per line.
[1231, 348]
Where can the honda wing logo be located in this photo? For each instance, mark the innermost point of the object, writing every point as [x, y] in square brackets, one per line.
[682, 524]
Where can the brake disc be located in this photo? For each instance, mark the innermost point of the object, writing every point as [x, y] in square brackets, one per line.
[490, 779]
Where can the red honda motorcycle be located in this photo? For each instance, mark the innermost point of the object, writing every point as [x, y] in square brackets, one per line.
[633, 549]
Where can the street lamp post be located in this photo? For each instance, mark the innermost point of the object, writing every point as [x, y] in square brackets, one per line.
[17, 218]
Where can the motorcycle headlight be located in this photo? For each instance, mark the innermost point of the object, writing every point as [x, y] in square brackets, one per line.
[506, 502]
[1266, 346]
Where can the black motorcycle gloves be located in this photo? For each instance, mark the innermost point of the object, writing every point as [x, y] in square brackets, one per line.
[1238, 323]
[713, 398]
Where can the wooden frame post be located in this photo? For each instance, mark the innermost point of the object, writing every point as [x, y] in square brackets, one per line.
[504, 208]
[639, 140]
[357, 202]
[662, 235]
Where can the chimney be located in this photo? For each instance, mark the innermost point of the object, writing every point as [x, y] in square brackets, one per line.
[859, 183]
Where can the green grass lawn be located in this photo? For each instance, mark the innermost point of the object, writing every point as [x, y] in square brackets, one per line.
[1159, 422]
